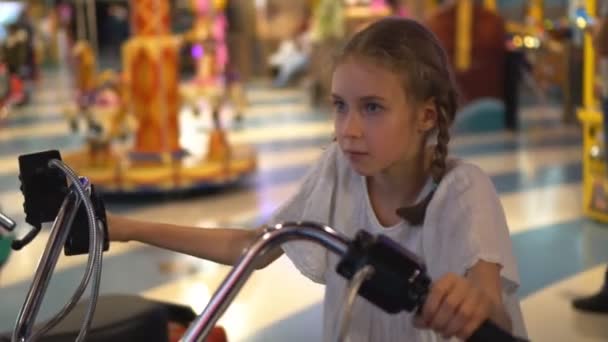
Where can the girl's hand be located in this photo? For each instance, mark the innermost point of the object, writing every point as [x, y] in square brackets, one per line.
[454, 308]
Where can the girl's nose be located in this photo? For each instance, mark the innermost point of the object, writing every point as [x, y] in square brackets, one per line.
[352, 127]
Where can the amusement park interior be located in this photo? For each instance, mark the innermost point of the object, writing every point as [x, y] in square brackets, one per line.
[210, 114]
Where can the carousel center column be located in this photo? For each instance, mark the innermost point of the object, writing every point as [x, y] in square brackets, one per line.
[150, 62]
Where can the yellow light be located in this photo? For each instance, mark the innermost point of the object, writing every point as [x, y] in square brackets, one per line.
[581, 22]
[517, 41]
[595, 151]
[529, 42]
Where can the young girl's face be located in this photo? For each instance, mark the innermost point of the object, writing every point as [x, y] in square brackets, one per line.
[376, 126]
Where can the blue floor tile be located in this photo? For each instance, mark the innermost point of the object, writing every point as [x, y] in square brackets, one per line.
[548, 254]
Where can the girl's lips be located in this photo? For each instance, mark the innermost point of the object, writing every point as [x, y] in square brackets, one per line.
[355, 156]
[355, 152]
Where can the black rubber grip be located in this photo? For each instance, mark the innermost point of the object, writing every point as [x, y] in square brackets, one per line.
[490, 332]
[18, 244]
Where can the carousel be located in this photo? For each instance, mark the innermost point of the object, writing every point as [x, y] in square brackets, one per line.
[133, 143]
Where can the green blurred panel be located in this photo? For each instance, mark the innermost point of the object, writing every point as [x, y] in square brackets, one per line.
[5, 248]
[483, 115]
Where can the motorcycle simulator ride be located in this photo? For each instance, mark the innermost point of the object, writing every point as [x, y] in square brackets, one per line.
[375, 267]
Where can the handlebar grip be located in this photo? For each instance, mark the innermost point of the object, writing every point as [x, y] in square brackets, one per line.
[488, 331]
[400, 281]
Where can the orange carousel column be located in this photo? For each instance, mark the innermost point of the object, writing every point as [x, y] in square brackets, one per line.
[150, 65]
[150, 17]
[150, 61]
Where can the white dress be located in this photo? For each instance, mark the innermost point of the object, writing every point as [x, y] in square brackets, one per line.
[464, 223]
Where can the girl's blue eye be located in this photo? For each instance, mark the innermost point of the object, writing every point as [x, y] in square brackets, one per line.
[373, 107]
[339, 106]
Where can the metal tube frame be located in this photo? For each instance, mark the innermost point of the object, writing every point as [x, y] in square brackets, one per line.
[272, 238]
[59, 233]
[6, 222]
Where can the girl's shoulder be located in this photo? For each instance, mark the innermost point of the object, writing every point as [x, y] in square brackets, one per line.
[463, 177]
[463, 171]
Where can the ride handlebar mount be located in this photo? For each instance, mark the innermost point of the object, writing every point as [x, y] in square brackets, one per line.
[44, 189]
[71, 207]
[399, 281]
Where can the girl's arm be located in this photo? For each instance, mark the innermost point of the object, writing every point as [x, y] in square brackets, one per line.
[486, 276]
[219, 245]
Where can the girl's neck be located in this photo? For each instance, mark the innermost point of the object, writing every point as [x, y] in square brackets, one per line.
[401, 184]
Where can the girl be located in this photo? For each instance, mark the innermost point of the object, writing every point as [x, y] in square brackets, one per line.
[388, 173]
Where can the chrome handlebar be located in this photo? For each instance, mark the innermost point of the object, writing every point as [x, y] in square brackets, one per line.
[272, 238]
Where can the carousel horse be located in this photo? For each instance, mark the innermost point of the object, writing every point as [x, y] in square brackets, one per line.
[100, 101]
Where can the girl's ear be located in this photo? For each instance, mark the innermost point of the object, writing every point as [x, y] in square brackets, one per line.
[427, 116]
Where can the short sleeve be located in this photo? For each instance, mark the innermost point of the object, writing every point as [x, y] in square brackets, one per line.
[468, 224]
[312, 202]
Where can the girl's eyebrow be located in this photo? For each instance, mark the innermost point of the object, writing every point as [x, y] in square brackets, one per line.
[372, 98]
[362, 98]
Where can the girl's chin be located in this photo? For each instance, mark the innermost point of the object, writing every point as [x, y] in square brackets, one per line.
[362, 169]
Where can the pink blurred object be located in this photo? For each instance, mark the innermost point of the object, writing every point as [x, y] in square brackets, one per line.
[403, 12]
[219, 27]
[219, 33]
[378, 4]
[203, 7]
[107, 98]
[222, 56]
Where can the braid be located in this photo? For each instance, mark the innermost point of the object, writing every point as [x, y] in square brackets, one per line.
[438, 166]
[446, 111]
[415, 214]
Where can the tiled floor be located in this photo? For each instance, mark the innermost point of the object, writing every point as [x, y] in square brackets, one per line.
[537, 173]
